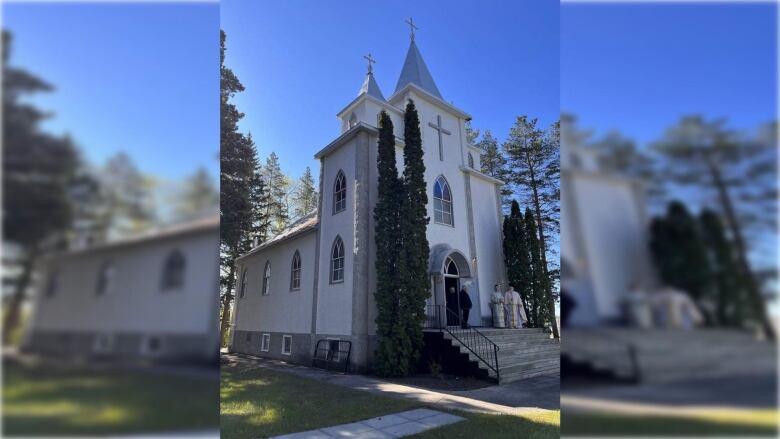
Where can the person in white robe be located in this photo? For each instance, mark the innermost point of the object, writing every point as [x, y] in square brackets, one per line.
[497, 301]
[516, 314]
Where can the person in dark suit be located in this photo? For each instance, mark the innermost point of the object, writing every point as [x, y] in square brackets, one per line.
[452, 306]
[465, 306]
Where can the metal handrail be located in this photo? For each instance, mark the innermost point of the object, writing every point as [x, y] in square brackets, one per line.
[471, 338]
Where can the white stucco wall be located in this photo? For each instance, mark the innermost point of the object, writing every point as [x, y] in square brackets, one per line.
[487, 230]
[135, 302]
[282, 309]
[334, 303]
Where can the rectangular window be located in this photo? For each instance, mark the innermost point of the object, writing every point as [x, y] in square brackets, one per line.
[265, 344]
[333, 349]
[286, 344]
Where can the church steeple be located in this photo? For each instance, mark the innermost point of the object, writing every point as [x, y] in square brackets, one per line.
[370, 87]
[415, 71]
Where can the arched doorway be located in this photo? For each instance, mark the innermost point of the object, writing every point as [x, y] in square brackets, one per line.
[451, 276]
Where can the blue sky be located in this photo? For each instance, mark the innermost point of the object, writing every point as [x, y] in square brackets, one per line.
[302, 62]
[143, 78]
[639, 67]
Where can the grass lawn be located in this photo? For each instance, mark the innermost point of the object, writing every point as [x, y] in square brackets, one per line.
[69, 401]
[258, 402]
[759, 423]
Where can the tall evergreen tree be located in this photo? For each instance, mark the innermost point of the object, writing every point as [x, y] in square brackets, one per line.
[516, 257]
[730, 293]
[238, 161]
[534, 160]
[198, 196]
[305, 199]
[543, 309]
[388, 239]
[38, 170]
[415, 249]
[278, 186]
[492, 159]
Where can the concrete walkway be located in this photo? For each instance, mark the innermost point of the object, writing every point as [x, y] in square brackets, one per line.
[389, 426]
[506, 400]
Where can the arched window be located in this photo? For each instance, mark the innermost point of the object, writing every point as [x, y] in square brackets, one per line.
[471, 161]
[105, 280]
[450, 267]
[337, 261]
[295, 272]
[242, 285]
[442, 202]
[267, 278]
[173, 271]
[340, 193]
[352, 120]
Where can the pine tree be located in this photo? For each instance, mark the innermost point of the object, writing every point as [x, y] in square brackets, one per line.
[305, 199]
[414, 222]
[38, 170]
[278, 186]
[534, 160]
[492, 160]
[730, 292]
[238, 161]
[388, 241]
[198, 196]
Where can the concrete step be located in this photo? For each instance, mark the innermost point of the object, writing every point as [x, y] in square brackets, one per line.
[508, 378]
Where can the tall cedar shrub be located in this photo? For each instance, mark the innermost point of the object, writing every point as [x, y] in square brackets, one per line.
[543, 315]
[516, 258]
[415, 249]
[388, 241]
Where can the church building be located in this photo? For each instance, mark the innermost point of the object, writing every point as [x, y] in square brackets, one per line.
[316, 280]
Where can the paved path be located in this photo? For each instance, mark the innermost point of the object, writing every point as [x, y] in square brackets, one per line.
[388, 426]
[507, 399]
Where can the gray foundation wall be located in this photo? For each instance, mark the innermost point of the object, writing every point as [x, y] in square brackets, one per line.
[124, 345]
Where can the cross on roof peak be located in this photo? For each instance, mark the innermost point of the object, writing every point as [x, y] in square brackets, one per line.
[412, 27]
[371, 61]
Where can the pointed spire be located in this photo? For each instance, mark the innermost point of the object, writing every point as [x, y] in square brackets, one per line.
[370, 87]
[415, 71]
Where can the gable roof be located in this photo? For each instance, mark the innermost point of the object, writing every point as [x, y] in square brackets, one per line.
[416, 72]
[304, 224]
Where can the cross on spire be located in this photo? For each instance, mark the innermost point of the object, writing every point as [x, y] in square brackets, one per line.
[412, 27]
[371, 61]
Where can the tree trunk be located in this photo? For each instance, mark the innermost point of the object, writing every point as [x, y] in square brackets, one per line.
[13, 312]
[226, 300]
[759, 305]
[543, 248]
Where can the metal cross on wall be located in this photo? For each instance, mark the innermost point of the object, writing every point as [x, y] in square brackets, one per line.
[441, 131]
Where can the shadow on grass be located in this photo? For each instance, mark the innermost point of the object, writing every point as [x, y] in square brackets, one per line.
[47, 399]
[597, 424]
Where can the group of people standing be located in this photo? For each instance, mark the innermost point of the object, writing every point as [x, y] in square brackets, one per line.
[508, 309]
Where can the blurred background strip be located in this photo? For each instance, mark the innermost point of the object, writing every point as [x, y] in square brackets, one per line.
[110, 218]
[669, 219]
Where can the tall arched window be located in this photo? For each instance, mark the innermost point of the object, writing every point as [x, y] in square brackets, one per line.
[242, 285]
[352, 120]
[337, 261]
[442, 202]
[267, 278]
[471, 161]
[295, 272]
[105, 280]
[450, 267]
[340, 193]
[173, 271]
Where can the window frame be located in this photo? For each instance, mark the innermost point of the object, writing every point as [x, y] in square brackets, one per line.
[337, 243]
[287, 337]
[265, 347]
[242, 283]
[471, 161]
[105, 281]
[266, 280]
[339, 193]
[439, 203]
[295, 271]
[165, 285]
